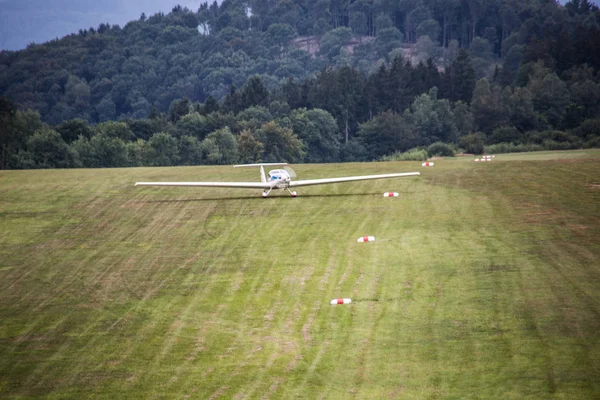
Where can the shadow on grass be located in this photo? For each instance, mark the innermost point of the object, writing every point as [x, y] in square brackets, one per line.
[375, 299]
[271, 197]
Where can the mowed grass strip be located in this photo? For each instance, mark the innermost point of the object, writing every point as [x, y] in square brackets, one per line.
[482, 283]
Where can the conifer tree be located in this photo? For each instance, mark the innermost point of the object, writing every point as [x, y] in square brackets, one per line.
[254, 93]
[460, 78]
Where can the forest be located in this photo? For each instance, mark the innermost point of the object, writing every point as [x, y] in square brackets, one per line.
[306, 81]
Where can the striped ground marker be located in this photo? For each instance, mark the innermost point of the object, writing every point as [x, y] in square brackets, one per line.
[427, 164]
[340, 301]
[390, 194]
[366, 239]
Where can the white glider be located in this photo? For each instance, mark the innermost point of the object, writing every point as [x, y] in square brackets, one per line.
[276, 179]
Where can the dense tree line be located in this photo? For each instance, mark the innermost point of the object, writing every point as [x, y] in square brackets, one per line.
[339, 115]
[304, 81]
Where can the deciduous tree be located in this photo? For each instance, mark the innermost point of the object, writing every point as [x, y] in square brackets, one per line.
[280, 144]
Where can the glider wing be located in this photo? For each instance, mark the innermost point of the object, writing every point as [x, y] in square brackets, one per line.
[246, 185]
[349, 179]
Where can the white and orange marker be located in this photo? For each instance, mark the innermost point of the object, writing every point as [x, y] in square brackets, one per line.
[340, 301]
[427, 164]
[366, 239]
[390, 194]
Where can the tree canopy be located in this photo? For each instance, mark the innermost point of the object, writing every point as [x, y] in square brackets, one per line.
[304, 81]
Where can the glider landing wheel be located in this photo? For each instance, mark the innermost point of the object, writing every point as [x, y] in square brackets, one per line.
[294, 194]
[265, 194]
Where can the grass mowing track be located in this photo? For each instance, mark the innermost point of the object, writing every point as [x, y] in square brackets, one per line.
[483, 283]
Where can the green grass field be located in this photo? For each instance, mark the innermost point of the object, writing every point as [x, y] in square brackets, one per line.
[484, 282]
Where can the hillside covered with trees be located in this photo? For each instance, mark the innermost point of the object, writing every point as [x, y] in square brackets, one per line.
[306, 81]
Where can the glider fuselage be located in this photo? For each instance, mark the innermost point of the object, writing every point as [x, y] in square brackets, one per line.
[281, 177]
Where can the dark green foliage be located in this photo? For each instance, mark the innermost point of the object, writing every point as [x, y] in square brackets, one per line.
[440, 149]
[142, 128]
[139, 153]
[319, 132]
[395, 85]
[488, 109]
[463, 118]
[49, 150]
[334, 40]
[178, 109]
[293, 94]
[429, 27]
[210, 105]
[259, 115]
[250, 149]
[233, 101]
[280, 144]
[339, 93]
[220, 147]
[101, 151]
[353, 151]
[520, 110]
[113, 129]
[584, 87]
[190, 151]
[387, 40]
[279, 108]
[280, 34]
[590, 128]
[473, 142]
[186, 75]
[432, 119]
[480, 47]
[550, 136]
[194, 125]
[164, 150]
[385, 134]
[511, 64]
[358, 23]
[504, 134]
[460, 78]
[550, 95]
[427, 48]
[254, 93]
[72, 129]
[8, 132]
[106, 110]
[218, 120]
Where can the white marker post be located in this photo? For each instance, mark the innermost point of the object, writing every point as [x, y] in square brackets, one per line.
[366, 239]
[340, 301]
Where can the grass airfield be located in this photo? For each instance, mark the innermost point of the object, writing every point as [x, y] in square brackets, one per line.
[484, 282]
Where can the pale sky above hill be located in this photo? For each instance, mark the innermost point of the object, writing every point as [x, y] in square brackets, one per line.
[26, 21]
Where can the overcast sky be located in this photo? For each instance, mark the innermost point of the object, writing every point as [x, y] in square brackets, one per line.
[26, 21]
